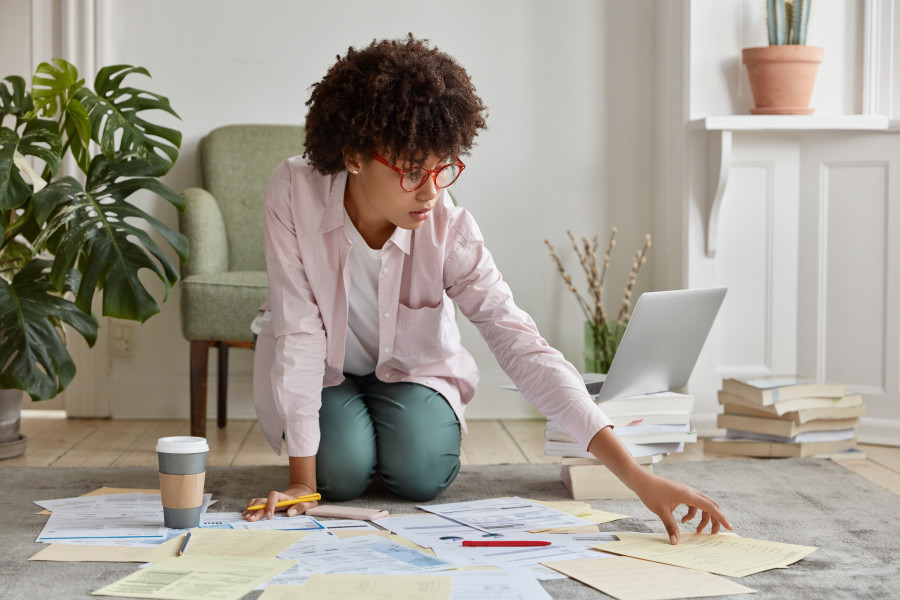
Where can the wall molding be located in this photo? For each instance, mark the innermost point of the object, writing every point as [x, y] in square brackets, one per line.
[879, 60]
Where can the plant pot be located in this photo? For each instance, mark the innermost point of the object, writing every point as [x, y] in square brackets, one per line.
[12, 442]
[782, 78]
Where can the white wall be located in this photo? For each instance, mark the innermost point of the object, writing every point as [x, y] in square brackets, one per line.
[562, 146]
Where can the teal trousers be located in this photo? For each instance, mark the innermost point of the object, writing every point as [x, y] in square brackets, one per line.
[405, 432]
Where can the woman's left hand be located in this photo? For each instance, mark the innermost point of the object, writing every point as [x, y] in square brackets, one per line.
[662, 496]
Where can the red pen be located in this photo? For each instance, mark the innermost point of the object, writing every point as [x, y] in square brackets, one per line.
[472, 543]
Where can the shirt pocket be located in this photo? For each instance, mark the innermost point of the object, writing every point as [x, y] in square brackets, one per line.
[426, 335]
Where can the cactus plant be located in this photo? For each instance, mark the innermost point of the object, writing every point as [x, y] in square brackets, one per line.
[787, 21]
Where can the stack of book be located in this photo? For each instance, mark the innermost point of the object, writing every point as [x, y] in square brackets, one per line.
[651, 426]
[786, 417]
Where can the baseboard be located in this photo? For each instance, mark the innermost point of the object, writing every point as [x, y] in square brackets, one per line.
[885, 432]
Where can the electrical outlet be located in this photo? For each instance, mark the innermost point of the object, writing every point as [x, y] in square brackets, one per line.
[122, 340]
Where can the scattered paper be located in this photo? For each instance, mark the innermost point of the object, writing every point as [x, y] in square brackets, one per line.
[197, 577]
[502, 515]
[240, 543]
[361, 555]
[75, 553]
[371, 587]
[729, 555]
[582, 510]
[280, 522]
[628, 578]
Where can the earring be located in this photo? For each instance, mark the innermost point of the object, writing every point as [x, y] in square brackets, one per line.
[355, 172]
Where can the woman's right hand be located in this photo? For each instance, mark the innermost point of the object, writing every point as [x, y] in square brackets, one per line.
[275, 497]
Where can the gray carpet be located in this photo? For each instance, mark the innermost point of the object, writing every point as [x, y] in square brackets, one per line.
[803, 501]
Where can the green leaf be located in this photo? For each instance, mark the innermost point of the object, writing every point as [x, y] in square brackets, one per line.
[13, 189]
[33, 353]
[117, 123]
[53, 86]
[93, 232]
[39, 139]
[15, 101]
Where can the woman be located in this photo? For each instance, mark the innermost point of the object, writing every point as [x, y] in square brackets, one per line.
[360, 369]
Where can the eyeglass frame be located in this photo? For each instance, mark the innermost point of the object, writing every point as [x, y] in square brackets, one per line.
[432, 172]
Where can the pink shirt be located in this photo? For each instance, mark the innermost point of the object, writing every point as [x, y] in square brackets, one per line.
[422, 273]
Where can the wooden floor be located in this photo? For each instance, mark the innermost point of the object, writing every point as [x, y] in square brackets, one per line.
[55, 441]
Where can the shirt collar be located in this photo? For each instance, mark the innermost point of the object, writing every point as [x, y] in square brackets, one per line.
[334, 214]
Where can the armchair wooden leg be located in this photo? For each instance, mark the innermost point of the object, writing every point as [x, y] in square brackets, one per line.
[199, 361]
[222, 389]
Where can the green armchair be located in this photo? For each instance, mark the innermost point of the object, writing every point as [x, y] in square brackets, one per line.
[224, 281]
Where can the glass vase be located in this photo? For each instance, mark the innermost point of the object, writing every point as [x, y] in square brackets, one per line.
[601, 340]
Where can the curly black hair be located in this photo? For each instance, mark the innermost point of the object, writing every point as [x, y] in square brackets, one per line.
[400, 96]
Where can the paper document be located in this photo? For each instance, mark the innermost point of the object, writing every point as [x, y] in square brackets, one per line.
[240, 543]
[582, 510]
[729, 555]
[362, 555]
[197, 577]
[371, 587]
[503, 515]
[76, 553]
[628, 578]
[281, 522]
[509, 584]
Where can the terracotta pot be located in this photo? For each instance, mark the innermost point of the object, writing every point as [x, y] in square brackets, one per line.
[782, 78]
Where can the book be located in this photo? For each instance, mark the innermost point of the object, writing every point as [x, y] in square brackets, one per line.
[648, 404]
[782, 427]
[675, 418]
[772, 390]
[764, 449]
[648, 434]
[650, 459]
[786, 406]
[595, 482]
[827, 413]
[552, 448]
[800, 438]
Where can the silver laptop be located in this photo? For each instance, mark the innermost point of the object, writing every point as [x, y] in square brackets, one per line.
[661, 344]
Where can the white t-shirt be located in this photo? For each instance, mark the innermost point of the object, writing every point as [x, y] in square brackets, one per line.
[361, 349]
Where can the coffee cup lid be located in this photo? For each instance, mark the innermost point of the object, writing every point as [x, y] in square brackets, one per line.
[182, 444]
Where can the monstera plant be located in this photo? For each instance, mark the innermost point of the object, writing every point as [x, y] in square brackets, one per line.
[64, 238]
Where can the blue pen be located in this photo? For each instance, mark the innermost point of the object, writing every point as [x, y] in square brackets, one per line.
[184, 544]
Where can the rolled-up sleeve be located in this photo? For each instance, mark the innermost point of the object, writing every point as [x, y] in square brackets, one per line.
[299, 360]
[547, 380]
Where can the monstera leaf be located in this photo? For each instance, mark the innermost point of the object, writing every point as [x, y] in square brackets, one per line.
[118, 126]
[88, 228]
[54, 89]
[39, 138]
[32, 350]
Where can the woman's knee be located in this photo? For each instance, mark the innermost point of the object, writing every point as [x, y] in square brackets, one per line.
[418, 475]
[344, 475]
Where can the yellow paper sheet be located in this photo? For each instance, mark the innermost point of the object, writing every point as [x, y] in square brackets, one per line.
[369, 587]
[628, 578]
[197, 578]
[77, 553]
[728, 555]
[241, 542]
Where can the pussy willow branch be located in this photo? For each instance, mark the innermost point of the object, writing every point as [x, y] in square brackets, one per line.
[640, 257]
[568, 279]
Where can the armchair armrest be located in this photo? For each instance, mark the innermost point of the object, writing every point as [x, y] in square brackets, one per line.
[202, 223]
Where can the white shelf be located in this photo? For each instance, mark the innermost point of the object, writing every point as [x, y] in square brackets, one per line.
[720, 129]
[792, 123]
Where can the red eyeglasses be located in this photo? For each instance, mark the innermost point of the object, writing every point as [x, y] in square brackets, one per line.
[414, 178]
